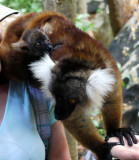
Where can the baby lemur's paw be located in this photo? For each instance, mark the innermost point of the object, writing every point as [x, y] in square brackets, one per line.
[128, 133]
[105, 152]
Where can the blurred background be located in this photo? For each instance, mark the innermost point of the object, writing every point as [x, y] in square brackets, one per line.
[115, 24]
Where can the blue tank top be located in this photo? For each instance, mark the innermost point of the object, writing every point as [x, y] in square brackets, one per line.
[19, 139]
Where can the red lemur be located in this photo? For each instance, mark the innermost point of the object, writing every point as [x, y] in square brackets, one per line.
[85, 76]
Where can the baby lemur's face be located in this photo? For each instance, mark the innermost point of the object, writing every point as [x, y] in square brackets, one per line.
[37, 41]
[33, 42]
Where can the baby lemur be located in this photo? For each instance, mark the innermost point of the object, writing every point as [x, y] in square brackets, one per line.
[32, 45]
[35, 42]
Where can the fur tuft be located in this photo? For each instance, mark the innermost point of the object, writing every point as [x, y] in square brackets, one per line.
[99, 84]
[42, 71]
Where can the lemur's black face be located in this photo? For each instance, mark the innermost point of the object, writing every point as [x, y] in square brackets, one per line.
[37, 42]
[63, 108]
[68, 93]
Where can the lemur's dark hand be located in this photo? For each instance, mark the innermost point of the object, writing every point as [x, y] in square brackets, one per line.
[105, 153]
[128, 133]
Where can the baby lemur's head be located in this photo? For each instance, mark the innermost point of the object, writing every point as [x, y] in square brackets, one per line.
[35, 42]
[32, 46]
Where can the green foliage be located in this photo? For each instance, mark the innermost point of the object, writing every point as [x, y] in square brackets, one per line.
[119, 66]
[99, 10]
[97, 122]
[127, 77]
[123, 84]
[102, 132]
[83, 23]
[124, 76]
[23, 6]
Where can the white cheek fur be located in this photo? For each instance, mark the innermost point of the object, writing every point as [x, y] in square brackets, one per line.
[99, 84]
[42, 71]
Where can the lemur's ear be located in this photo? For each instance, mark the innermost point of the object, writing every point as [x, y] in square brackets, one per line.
[99, 84]
[20, 45]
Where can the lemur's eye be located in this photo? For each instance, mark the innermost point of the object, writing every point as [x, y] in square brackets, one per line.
[72, 100]
[37, 44]
[48, 40]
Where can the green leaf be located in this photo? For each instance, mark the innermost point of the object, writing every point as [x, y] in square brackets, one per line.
[123, 84]
[99, 10]
[96, 123]
[119, 65]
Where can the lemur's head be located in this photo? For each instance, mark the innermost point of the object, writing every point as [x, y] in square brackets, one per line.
[73, 82]
[34, 42]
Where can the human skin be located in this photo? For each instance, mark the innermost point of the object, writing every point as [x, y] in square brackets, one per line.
[125, 152]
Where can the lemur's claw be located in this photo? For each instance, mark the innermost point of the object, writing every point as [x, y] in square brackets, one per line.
[128, 133]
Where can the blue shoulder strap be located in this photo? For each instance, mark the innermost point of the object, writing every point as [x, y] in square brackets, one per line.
[41, 107]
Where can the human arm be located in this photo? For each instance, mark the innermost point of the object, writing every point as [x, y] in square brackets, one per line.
[58, 147]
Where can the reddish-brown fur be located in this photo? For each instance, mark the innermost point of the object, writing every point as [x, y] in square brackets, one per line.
[16, 28]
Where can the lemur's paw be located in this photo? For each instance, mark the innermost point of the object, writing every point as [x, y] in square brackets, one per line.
[105, 153]
[128, 133]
